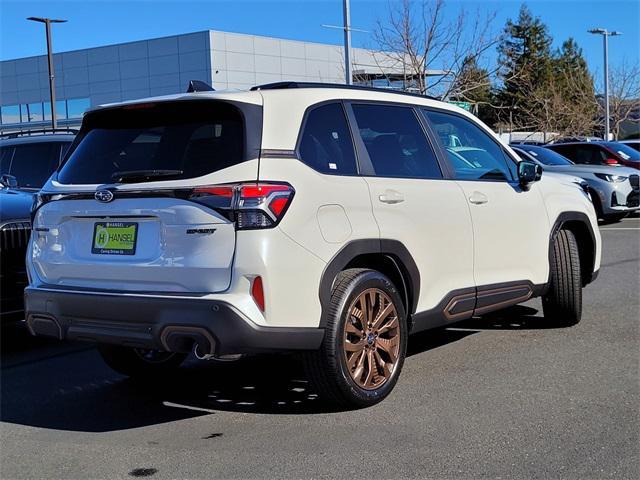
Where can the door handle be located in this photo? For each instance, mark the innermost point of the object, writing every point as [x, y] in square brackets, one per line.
[391, 197]
[478, 198]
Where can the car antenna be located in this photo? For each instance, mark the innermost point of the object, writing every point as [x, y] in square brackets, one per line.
[199, 86]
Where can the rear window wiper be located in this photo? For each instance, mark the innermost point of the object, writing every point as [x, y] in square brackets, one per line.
[131, 176]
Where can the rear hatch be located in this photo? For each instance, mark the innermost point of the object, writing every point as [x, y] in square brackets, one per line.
[138, 203]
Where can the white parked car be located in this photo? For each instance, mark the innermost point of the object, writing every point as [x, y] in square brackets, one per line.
[318, 219]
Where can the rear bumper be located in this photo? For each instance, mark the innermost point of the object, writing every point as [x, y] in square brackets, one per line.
[157, 322]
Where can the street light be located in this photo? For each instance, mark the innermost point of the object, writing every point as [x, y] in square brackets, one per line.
[52, 90]
[605, 35]
[346, 15]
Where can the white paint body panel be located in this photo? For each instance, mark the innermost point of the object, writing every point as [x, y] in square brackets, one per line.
[166, 259]
[455, 244]
[434, 224]
[510, 233]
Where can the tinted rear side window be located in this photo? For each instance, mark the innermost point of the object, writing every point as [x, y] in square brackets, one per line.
[395, 142]
[33, 163]
[326, 144]
[588, 154]
[566, 151]
[191, 138]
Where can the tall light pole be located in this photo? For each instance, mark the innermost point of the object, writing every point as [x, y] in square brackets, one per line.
[52, 86]
[605, 35]
[346, 13]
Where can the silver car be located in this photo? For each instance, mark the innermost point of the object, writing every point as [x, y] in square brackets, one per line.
[615, 190]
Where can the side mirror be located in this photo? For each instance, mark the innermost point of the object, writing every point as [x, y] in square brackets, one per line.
[8, 181]
[528, 172]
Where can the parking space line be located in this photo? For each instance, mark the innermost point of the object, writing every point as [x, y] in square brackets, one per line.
[187, 407]
[620, 228]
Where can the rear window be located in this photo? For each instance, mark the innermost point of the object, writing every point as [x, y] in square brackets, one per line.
[624, 151]
[546, 156]
[184, 139]
[31, 163]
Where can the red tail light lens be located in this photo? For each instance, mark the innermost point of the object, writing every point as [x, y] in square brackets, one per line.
[262, 205]
[611, 161]
[257, 292]
[251, 205]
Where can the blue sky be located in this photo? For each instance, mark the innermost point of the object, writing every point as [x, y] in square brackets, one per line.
[94, 23]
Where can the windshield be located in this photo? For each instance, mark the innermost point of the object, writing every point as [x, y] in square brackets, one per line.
[546, 156]
[625, 151]
[188, 139]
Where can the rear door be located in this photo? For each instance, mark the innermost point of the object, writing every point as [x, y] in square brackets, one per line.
[412, 202]
[139, 205]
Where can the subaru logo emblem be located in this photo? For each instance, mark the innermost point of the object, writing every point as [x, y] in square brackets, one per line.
[104, 196]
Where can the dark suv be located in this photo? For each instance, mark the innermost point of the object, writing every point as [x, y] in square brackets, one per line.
[26, 162]
[598, 153]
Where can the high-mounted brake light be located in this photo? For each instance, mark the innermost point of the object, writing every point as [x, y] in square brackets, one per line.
[251, 205]
[138, 106]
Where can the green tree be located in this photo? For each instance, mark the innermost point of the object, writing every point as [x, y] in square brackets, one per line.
[576, 85]
[525, 59]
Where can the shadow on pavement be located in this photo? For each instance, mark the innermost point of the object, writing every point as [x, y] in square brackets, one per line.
[67, 387]
[518, 317]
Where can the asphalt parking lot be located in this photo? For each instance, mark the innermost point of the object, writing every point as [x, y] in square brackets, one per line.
[504, 396]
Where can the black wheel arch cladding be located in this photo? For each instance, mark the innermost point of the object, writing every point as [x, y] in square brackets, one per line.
[365, 253]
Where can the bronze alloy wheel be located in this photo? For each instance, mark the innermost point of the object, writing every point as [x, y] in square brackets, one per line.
[372, 339]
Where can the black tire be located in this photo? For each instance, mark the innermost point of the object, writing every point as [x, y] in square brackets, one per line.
[562, 304]
[597, 204]
[327, 368]
[134, 362]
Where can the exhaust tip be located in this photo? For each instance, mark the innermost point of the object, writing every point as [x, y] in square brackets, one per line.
[198, 352]
[184, 339]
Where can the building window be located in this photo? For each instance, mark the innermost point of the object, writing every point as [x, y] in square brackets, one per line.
[73, 108]
[76, 107]
[61, 110]
[32, 112]
[10, 113]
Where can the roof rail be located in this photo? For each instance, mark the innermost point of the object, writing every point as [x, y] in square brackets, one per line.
[286, 85]
[70, 131]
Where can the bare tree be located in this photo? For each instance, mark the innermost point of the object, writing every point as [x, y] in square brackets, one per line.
[624, 96]
[417, 38]
[561, 106]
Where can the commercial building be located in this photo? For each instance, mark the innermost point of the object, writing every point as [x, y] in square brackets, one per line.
[126, 71]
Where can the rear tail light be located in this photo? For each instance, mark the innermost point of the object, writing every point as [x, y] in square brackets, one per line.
[611, 161]
[250, 205]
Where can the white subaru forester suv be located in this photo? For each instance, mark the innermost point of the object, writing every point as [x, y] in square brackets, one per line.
[326, 220]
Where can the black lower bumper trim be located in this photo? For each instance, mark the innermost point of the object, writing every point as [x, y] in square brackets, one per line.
[164, 323]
